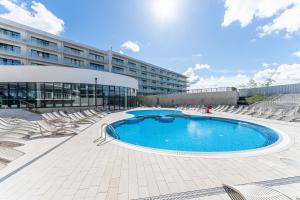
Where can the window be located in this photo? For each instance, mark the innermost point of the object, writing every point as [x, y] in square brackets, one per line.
[43, 55]
[96, 57]
[117, 69]
[131, 64]
[10, 48]
[6, 61]
[84, 95]
[117, 61]
[143, 67]
[9, 33]
[73, 50]
[49, 95]
[43, 43]
[132, 71]
[73, 61]
[97, 67]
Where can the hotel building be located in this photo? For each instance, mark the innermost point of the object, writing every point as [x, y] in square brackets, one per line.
[38, 54]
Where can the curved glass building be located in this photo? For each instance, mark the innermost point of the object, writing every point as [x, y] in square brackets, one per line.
[56, 86]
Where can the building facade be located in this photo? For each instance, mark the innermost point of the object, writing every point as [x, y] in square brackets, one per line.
[22, 45]
[36, 86]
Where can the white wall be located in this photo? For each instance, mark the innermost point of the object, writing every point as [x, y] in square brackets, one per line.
[33, 73]
[207, 98]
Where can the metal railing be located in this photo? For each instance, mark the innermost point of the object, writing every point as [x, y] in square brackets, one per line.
[103, 133]
[29, 106]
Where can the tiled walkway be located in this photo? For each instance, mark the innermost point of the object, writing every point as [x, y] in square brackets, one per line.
[79, 169]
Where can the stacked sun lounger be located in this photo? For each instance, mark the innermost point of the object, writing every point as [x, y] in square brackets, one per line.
[16, 132]
[268, 112]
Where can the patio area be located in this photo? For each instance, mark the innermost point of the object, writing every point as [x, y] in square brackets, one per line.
[78, 168]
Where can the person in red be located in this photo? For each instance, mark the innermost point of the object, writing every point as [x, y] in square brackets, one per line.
[208, 109]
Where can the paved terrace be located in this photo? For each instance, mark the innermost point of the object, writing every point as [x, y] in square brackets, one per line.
[76, 168]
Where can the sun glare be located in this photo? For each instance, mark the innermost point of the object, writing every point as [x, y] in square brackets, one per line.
[165, 11]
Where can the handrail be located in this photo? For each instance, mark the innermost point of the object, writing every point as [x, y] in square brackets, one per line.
[28, 105]
[113, 129]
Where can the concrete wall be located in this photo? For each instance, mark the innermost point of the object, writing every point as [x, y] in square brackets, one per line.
[213, 98]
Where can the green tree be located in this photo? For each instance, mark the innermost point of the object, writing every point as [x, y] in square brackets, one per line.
[268, 82]
[252, 83]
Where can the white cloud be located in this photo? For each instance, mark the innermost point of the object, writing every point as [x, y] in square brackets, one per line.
[202, 66]
[121, 52]
[37, 16]
[297, 53]
[288, 21]
[192, 77]
[285, 15]
[283, 74]
[132, 46]
[267, 65]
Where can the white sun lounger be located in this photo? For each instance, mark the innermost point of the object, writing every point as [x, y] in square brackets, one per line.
[11, 141]
[49, 129]
[9, 154]
[254, 192]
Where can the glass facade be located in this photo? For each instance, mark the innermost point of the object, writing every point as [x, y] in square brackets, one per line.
[56, 95]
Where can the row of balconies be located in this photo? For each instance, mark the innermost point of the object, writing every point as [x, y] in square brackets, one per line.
[142, 68]
[60, 49]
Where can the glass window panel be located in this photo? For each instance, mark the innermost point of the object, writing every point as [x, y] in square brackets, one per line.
[58, 94]
[49, 95]
[67, 95]
[75, 95]
[84, 94]
[91, 94]
[13, 95]
[3, 95]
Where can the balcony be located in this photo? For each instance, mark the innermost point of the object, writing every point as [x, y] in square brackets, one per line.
[74, 52]
[74, 64]
[118, 62]
[96, 58]
[10, 37]
[10, 51]
[44, 58]
[43, 45]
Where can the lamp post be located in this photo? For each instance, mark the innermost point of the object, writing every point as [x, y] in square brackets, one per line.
[96, 91]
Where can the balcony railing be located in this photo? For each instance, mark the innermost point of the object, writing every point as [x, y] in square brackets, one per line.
[11, 51]
[43, 45]
[11, 37]
[44, 58]
[74, 52]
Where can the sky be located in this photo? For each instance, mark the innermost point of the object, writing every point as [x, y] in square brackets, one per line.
[216, 43]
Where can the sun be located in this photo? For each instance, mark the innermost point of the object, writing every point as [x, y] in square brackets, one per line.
[165, 11]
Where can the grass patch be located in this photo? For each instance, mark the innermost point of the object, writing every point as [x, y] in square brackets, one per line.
[254, 99]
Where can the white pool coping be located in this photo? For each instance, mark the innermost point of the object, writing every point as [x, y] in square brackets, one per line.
[281, 144]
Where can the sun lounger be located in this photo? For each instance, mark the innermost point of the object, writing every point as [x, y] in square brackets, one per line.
[79, 120]
[47, 128]
[267, 113]
[228, 109]
[91, 119]
[11, 141]
[8, 154]
[254, 192]
[224, 108]
[238, 109]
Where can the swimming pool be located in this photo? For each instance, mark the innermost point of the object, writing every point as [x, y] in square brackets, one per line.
[193, 133]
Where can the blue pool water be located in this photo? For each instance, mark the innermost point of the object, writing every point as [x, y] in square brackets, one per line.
[194, 134]
[138, 113]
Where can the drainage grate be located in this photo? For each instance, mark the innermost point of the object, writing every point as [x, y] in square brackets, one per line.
[219, 190]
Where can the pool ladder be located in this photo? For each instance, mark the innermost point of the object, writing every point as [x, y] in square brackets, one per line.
[103, 132]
